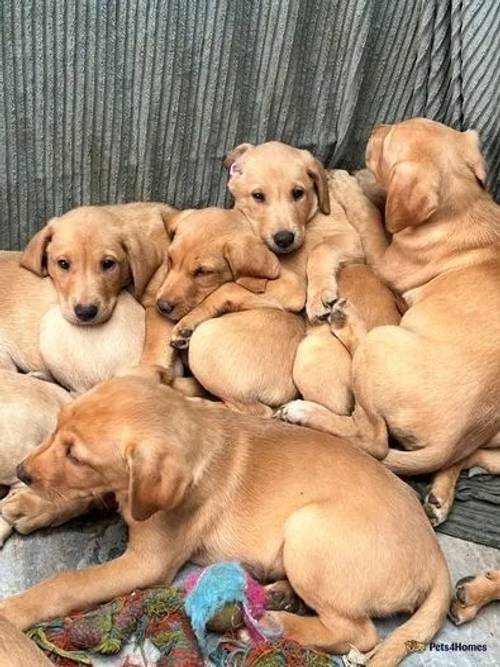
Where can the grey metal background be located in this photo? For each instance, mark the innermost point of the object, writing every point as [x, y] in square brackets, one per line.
[116, 100]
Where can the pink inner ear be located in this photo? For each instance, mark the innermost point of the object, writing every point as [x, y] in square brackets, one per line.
[235, 169]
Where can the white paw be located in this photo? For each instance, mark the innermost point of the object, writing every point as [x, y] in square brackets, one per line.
[295, 412]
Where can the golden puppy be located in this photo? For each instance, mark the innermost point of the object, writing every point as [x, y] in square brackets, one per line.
[215, 251]
[434, 381]
[92, 253]
[278, 202]
[141, 440]
[34, 337]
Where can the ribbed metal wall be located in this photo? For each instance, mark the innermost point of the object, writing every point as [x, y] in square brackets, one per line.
[115, 100]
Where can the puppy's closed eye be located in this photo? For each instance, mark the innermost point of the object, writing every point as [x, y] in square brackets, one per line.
[202, 271]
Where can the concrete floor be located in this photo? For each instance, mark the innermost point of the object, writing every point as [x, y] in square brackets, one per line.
[27, 560]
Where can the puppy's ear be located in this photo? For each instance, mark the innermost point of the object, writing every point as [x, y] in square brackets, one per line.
[234, 155]
[413, 195]
[173, 221]
[34, 257]
[158, 480]
[250, 257]
[473, 155]
[144, 259]
[316, 171]
[374, 154]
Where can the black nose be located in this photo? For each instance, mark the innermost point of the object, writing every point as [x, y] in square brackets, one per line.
[164, 306]
[23, 475]
[284, 239]
[86, 311]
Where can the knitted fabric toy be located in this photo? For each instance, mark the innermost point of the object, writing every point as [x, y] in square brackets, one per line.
[222, 597]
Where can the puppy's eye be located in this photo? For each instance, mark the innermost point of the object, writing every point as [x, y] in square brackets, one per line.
[202, 271]
[108, 263]
[259, 196]
[74, 459]
[297, 193]
[63, 264]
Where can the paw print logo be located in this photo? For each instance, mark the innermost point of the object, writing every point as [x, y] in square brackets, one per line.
[415, 646]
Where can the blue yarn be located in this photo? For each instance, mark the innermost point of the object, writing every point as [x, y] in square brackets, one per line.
[218, 585]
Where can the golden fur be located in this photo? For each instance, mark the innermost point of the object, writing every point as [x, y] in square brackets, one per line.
[322, 498]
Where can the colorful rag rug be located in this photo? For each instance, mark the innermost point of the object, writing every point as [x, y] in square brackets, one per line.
[158, 615]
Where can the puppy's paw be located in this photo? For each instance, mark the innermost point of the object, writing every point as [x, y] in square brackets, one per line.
[25, 511]
[343, 187]
[181, 336]
[339, 313]
[437, 508]
[295, 412]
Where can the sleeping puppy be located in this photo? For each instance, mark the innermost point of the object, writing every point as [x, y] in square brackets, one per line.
[28, 413]
[92, 253]
[249, 366]
[434, 381]
[140, 440]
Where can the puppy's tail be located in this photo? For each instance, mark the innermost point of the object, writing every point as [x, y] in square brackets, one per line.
[418, 462]
[414, 635]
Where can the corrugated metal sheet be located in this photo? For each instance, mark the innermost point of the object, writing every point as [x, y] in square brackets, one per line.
[115, 100]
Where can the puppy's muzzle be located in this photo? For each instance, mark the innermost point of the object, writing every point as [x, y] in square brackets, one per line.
[165, 307]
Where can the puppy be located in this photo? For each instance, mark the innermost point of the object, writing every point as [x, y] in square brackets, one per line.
[263, 345]
[33, 333]
[472, 594]
[141, 441]
[28, 413]
[434, 381]
[279, 189]
[215, 251]
[92, 253]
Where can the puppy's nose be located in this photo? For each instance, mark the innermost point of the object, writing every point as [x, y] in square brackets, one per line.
[284, 239]
[86, 311]
[164, 306]
[23, 475]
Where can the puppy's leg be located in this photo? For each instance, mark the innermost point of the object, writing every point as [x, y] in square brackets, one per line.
[365, 430]
[323, 263]
[322, 370]
[371, 188]
[228, 298]
[26, 511]
[439, 500]
[157, 350]
[362, 214]
[473, 593]
[151, 558]
[331, 632]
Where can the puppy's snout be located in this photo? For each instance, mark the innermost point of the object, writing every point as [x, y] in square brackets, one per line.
[86, 311]
[165, 306]
[284, 239]
[23, 475]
